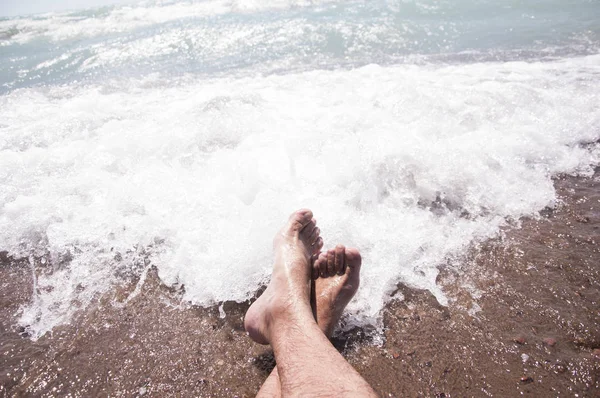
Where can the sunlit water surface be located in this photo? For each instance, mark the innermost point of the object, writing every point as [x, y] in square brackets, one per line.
[181, 135]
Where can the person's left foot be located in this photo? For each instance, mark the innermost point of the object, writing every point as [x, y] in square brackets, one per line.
[336, 275]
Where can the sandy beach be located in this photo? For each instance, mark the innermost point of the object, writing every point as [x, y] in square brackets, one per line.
[150, 150]
[523, 319]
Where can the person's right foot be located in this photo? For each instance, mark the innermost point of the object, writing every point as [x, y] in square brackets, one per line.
[287, 296]
[336, 275]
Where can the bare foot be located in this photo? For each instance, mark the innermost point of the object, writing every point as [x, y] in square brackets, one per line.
[336, 275]
[287, 295]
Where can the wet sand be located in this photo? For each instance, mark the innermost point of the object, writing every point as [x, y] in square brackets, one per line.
[523, 319]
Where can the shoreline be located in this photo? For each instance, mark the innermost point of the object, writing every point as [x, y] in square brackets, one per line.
[523, 319]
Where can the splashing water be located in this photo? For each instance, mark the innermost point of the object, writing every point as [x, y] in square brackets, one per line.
[181, 135]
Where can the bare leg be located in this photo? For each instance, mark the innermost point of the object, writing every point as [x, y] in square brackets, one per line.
[329, 297]
[308, 364]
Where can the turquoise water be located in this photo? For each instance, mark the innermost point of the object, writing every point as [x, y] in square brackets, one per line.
[215, 38]
[181, 135]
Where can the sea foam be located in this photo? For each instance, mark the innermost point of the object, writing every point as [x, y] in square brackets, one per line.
[409, 163]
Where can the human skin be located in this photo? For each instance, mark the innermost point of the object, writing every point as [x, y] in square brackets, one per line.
[330, 293]
[307, 362]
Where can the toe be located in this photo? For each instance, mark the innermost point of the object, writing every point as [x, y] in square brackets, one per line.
[316, 265]
[353, 260]
[330, 262]
[314, 235]
[339, 260]
[300, 219]
[318, 245]
[307, 230]
[323, 264]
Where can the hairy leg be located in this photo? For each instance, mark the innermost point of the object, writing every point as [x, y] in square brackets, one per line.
[330, 294]
[308, 364]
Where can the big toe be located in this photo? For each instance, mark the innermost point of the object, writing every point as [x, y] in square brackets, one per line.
[353, 260]
[299, 219]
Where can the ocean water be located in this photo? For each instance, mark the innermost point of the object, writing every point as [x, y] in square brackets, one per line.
[180, 135]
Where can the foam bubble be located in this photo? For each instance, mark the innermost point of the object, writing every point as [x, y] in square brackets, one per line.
[409, 163]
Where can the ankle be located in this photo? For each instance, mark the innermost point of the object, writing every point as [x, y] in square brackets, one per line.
[289, 316]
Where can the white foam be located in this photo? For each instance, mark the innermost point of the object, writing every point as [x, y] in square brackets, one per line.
[197, 176]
